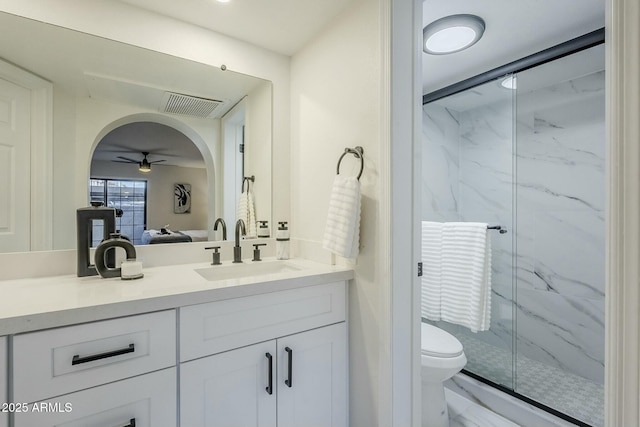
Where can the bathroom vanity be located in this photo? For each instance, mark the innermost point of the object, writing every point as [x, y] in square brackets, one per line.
[183, 346]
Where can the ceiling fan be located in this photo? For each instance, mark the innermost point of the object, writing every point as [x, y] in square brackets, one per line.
[143, 166]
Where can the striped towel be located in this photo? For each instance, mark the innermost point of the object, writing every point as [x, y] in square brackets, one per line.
[342, 231]
[466, 275]
[432, 269]
[247, 213]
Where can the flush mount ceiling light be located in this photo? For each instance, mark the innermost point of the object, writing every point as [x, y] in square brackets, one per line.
[452, 34]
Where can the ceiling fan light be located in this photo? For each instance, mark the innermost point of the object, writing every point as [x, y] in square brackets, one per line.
[452, 34]
[145, 168]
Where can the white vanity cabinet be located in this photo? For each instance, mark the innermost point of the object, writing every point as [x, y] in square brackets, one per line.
[118, 372]
[144, 401]
[277, 359]
[4, 385]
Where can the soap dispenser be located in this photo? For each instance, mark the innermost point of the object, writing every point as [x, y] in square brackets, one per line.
[263, 229]
[282, 241]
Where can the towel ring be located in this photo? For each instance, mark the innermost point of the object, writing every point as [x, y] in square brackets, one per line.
[246, 179]
[358, 152]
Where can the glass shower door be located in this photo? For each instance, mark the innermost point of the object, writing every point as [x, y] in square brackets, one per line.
[468, 176]
[560, 197]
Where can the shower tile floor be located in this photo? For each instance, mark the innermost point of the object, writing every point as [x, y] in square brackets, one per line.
[568, 393]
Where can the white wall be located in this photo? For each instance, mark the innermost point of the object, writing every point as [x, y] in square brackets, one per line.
[335, 97]
[160, 192]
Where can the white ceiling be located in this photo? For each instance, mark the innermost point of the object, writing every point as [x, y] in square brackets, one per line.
[282, 26]
[161, 142]
[514, 29]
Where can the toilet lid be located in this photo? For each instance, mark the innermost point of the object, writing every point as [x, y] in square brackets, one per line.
[439, 343]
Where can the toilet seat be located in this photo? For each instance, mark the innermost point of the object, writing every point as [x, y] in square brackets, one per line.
[439, 343]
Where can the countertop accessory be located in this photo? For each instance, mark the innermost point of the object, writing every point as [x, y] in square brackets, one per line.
[256, 251]
[109, 245]
[282, 241]
[131, 269]
[84, 222]
[263, 229]
[358, 152]
[216, 255]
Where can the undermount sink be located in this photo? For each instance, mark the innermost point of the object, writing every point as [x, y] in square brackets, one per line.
[246, 269]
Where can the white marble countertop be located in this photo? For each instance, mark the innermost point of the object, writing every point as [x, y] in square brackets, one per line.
[41, 303]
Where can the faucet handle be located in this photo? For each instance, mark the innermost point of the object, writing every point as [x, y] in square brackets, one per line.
[256, 251]
[216, 255]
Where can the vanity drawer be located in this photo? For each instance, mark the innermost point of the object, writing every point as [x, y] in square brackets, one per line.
[58, 361]
[4, 419]
[149, 400]
[224, 325]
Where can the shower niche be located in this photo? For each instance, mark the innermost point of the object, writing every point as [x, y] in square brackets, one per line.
[526, 151]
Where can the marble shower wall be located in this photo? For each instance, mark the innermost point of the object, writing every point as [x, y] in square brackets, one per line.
[467, 175]
[560, 201]
[469, 167]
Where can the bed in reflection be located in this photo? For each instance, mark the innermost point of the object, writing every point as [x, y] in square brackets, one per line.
[164, 235]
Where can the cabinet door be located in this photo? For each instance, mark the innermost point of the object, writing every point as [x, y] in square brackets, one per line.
[3, 380]
[312, 378]
[144, 401]
[230, 389]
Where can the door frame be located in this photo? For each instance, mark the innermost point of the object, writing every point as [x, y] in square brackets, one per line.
[41, 196]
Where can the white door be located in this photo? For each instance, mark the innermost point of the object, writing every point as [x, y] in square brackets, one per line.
[230, 389]
[15, 173]
[312, 378]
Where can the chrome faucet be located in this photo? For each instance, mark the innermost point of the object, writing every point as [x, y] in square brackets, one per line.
[237, 250]
[224, 227]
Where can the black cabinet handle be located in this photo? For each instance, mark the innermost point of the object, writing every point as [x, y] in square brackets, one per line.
[270, 386]
[289, 381]
[78, 360]
[132, 423]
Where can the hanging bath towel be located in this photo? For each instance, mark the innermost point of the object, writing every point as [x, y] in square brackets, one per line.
[342, 231]
[431, 288]
[466, 275]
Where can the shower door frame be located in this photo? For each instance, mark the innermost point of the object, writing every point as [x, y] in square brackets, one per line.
[567, 48]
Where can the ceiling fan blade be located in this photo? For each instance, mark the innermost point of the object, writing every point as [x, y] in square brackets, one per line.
[128, 159]
[157, 161]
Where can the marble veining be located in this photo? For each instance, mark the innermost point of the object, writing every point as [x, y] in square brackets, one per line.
[541, 175]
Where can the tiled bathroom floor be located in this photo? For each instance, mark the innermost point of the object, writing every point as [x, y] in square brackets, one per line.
[465, 413]
[570, 394]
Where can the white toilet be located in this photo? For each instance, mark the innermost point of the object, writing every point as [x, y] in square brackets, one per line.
[442, 358]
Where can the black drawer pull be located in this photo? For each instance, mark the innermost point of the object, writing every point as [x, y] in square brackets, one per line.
[132, 423]
[78, 360]
[270, 386]
[289, 381]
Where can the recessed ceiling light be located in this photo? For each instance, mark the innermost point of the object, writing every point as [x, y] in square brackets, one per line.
[509, 82]
[223, 1]
[452, 34]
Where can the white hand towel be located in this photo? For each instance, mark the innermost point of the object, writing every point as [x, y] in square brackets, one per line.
[431, 269]
[466, 275]
[342, 231]
[247, 213]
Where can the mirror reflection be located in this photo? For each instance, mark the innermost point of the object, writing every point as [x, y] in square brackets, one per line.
[165, 140]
